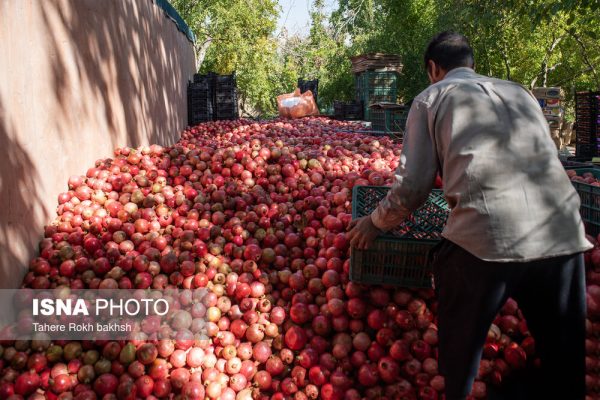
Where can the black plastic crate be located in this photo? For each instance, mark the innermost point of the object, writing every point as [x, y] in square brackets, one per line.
[200, 108]
[230, 93]
[314, 83]
[227, 117]
[226, 93]
[204, 78]
[225, 106]
[194, 108]
[571, 164]
[338, 109]
[586, 150]
[199, 97]
[199, 103]
[358, 116]
[199, 94]
[393, 262]
[199, 90]
[348, 111]
[201, 85]
[212, 97]
[226, 80]
[195, 119]
[587, 117]
[227, 112]
[225, 85]
[590, 200]
[224, 98]
[580, 159]
[229, 106]
[226, 101]
[398, 257]
[376, 87]
[313, 86]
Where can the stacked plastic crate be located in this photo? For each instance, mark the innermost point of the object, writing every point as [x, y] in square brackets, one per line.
[199, 97]
[587, 121]
[376, 81]
[398, 257]
[374, 87]
[348, 111]
[226, 99]
[212, 97]
[551, 100]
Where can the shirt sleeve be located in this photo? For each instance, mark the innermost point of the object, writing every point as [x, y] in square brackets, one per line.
[415, 176]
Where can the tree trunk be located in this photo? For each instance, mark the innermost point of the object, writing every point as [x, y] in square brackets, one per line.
[545, 69]
[587, 60]
[201, 52]
[506, 62]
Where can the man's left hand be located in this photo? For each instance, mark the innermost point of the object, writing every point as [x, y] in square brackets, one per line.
[362, 232]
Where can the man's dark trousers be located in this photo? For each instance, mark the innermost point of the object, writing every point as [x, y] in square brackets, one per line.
[551, 295]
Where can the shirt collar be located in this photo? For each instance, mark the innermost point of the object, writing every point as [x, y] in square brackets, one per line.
[459, 71]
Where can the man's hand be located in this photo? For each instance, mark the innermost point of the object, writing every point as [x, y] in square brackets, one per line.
[362, 232]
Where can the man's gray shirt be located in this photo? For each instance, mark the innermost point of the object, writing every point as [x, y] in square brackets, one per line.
[510, 197]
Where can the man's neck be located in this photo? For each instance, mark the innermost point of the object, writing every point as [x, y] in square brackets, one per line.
[458, 70]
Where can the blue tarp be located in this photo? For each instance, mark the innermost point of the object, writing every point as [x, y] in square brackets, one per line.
[174, 15]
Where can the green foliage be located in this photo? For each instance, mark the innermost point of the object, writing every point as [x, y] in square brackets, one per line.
[237, 35]
[534, 42]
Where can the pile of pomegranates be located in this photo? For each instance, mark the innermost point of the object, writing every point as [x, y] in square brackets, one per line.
[256, 213]
[592, 342]
[586, 177]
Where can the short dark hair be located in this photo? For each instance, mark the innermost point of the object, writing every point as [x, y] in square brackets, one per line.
[450, 50]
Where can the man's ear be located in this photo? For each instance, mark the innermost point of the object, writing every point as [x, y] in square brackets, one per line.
[431, 70]
[431, 67]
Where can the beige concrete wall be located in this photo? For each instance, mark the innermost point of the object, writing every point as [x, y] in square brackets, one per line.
[77, 79]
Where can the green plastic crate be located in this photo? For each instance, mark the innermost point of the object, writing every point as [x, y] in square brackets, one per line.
[395, 262]
[380, 119]
[568, 164]
[590, 201]
[399, 121]
[392, 122]
[376, 79]
[376, 87]
[377, 95]
[399, 257]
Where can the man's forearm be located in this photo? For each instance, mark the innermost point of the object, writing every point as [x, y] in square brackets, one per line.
[400, 202]
[385, 220]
